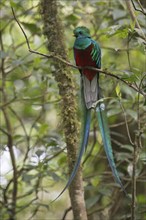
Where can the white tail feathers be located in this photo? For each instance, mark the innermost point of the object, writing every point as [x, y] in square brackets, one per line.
[90, 89]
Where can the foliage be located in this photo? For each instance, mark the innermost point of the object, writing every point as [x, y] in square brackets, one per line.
[33, 153]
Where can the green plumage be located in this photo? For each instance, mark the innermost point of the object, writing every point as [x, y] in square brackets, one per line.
[105, 133]
[87, 53]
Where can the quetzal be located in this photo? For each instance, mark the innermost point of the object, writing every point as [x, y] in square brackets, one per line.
[87, 54]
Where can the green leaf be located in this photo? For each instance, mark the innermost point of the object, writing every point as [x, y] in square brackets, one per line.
[92, 201]
[132, 113]
[33, 28]
[141, 198]
[30, 167]
[28, 177]
[62, 160]
[73, 18]
[143, 157]
[122, 156]
[127, 147]
[132, 78]
[114, 111]
[119, 30]
[54, 176]
[43, 129]
[13, 4]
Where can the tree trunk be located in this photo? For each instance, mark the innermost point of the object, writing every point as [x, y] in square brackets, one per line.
[54, 32]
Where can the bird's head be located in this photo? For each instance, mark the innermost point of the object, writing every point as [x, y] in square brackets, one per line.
[82, 31]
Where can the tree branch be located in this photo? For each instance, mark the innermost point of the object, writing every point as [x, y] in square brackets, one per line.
[59, 58]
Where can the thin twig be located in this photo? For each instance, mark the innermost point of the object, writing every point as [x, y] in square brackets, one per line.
[119, 124]
[65, 212]
[5, 132]
[137, 9]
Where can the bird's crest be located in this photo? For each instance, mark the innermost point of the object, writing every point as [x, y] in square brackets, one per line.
[81, 31]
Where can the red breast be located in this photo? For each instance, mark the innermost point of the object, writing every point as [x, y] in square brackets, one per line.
[83, 58]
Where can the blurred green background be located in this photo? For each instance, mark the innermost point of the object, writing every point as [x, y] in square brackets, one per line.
[31, 102]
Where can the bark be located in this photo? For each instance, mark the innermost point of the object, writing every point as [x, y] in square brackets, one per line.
[53, 30]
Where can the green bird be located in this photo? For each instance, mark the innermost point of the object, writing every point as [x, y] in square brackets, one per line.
[87, 54]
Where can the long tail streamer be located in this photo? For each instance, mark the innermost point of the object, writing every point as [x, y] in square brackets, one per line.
[84, 143]
[105, 133]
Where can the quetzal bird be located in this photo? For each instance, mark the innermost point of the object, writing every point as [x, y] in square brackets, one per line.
[87, 53]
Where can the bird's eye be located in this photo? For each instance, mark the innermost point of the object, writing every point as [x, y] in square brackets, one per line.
[80, 32]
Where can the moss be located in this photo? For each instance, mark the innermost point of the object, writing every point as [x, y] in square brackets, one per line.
[53, 30]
